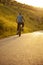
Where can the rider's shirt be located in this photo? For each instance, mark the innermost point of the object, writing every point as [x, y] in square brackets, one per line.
[19, 18]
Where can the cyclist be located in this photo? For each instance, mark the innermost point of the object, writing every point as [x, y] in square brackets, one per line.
[20, 21]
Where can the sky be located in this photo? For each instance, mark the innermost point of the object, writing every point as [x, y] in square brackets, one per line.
[36, 3]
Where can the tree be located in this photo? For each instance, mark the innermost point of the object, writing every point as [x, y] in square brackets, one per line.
[5, 1]
[0, 1]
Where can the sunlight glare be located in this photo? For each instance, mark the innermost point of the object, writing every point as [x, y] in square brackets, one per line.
[37, 33]
[36, 3]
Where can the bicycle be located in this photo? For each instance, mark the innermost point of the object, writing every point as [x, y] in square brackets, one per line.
[19, 30]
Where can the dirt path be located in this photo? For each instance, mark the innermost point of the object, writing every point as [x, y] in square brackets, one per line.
[24, 50]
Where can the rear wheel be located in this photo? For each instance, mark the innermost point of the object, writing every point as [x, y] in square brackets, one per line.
[19, 34]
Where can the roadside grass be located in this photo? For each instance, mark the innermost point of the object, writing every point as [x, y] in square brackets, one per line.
[8, 14]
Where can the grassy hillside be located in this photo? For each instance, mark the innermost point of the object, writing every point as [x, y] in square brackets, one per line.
[8, 13]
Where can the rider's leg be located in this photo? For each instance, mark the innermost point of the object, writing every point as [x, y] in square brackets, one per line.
[18, 25]
[22, 26]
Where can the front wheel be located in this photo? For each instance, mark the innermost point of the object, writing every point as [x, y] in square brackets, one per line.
[19, 33]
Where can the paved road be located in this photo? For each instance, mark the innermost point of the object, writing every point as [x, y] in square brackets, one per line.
[24, 50]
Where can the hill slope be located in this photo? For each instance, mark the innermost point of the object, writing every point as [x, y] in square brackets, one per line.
[8, 13]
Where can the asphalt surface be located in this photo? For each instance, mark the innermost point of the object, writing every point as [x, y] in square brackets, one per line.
[24, 50]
